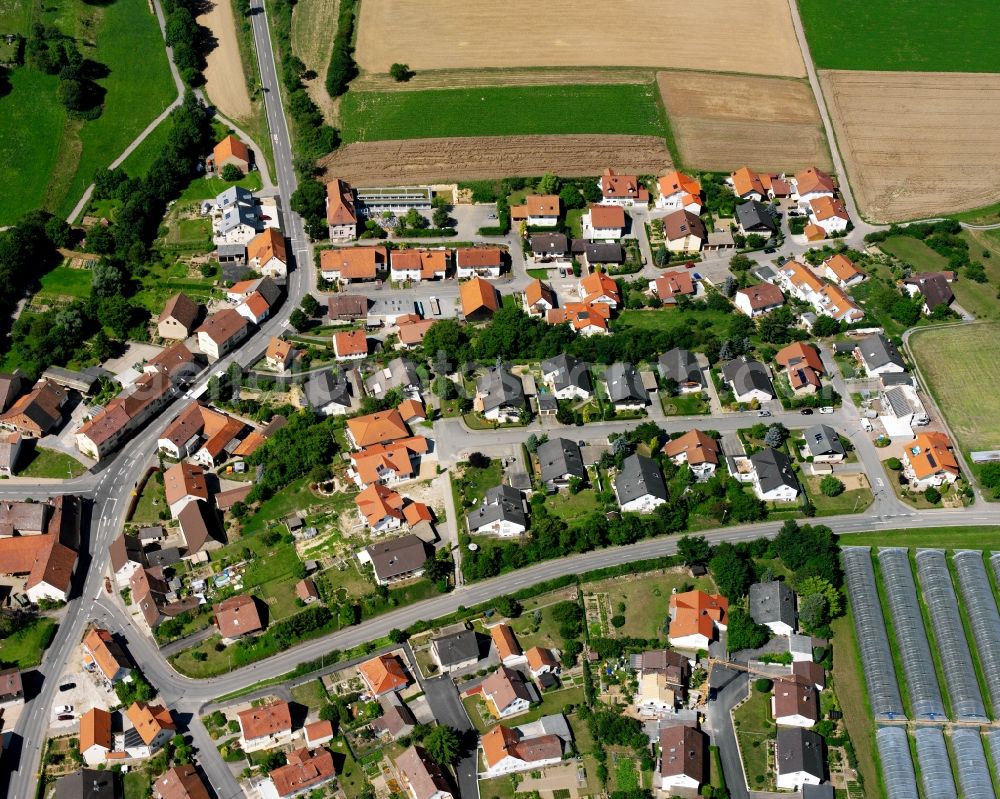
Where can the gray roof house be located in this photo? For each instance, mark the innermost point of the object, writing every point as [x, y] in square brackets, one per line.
[329, 393]
[681, 366]
[775, 479]
[88, 783]
[569, 377]
[560, 459]
[755, 217]
[639, 485]
[398, 373]
[235, 215]
[598, 252]
[800, 752]
[625, 388]
[500, 513]
[878, 354]
[548, 245]
[823, 442]
[396, 559]
[749, 379]
[457, 650]
[773, 605]
[501, 392]
[234, 195]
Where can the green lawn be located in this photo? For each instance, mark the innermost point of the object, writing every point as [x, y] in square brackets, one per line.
[137, 785]
[625, 774]
[853, 501]
[754, 728]
[572, 507]
[311, 694]
[915, 253]
[499, 111]
[64, 281]
[190, 234]
[957, 367]
[141, 159]
[152, 500]
[646, 599]
[684, 404]
[980, 299]
[671, 319]
[24, 648]
[471, 485]
[208, 187]
[49, 463]
[350, 776]
[985, 538]
[919, 35]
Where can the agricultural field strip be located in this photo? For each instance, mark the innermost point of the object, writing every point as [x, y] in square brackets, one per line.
[993, 739]
[911, 637]
[984, 619]
[897, 765]
[935, 766]
[973, 771]
[953, 648]
[880, 675]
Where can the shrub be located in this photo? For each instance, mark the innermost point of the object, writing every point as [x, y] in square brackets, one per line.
[231, 173]
[932, 495]
[894, 464]
[831, 486]
[763, 685]
[400, 72]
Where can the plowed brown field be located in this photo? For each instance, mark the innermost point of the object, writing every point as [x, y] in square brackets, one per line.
[481, 158]
[917, 144]
[722, 122]
[224, 81]
[728, 35]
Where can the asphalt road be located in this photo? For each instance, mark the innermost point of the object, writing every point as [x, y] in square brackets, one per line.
[443, 698]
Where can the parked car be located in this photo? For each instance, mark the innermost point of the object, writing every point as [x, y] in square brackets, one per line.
[64, 709]
[806, 411]
[770, 251]
[826, 409]
[866, 426]
[67, 686]
[65, 717]
[763, 413]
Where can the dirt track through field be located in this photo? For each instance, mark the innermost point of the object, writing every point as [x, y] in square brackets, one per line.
[753, 36]
[224, 81]
[723, 122]
[486, 157]
[917, 144]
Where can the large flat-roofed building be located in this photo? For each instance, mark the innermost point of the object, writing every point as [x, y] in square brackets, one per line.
[377, 199]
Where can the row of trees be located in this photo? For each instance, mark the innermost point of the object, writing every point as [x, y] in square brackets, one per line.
[189, 40]
[53, 53]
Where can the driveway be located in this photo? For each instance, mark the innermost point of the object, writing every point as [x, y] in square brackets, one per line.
[732, 687]
[442, 696]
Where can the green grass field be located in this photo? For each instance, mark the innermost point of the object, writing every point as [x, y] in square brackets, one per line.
[141, 159]
[980, 299]
[915, 253]
[499, 111]
[66, 282]
[985, 538]
[920, 35]
[51, 159]
[24, 648]
[957, 363]
[49, 463]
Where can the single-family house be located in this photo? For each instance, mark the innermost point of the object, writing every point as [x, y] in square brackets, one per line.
[506, 750]
[328, 393]
[841, 270]
[559, 461]
[773, 605]
[380, 508]
[103, 653]
[683, 759]
[350, 345]
[346, 308]
[695, 617]
[237, 617]
[639, 485]
[749, 380]
[126, 556]
[411, 331]
[756, 217]
[154, 726]
[345, 265]
[623, 190]
[759, 299]
[587, 319]
[387, 464]
[267, 255]
[420, 776]
[398, 373]
[684, 232]
[823, 444]
[501, 513]
[929, 460]
[505, 642]
[681, 367]
[265, 727]
[184, 483]
[478, 262]
[37, 412]
[597, 253]
[697, 450]
[500, 394]
[318, 733]
[542, 210]
[799, 758]
[604, 222]
[747, 184]
[88, 783]
[795, 702]
[341, 214]
[395, 560]
[507, 693]
[480, 300]
[412, 411]
[598, 287]
[417, 265]
[456, 651]
[830, 214]
[176, 320]
[549, 247]
[625, 388]
[541, 660]
[230, 151]
[380, 427]
[96, 739]
[773, 477]
[221, 332]
[280, 354]
[879, 356]
[305, 770]
[679, 192]
[933, 287]
[539, 298]
[568, 378]
[383, 674]
[811, 184]
[673, 673]
[672, 284]
[179, 782]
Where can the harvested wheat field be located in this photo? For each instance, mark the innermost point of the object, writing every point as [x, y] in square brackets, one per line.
[916, 144]
[723, 122]
[485, 157]
[313, 22]
[728, 35]
[224, 82]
